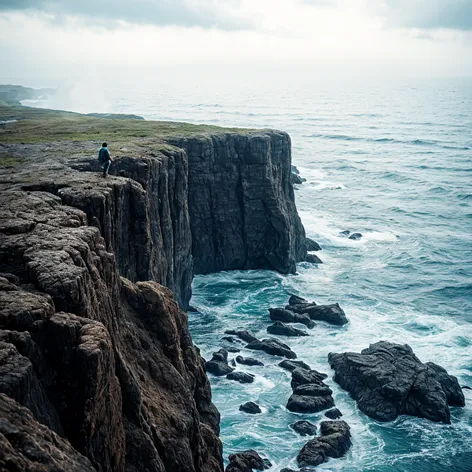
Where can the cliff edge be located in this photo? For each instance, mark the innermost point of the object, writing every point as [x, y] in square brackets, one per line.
[92, 341]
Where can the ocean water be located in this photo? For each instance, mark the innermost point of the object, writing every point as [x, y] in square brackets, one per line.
[392, 160]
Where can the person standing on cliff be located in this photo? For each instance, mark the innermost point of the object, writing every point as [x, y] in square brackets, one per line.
[104, 159]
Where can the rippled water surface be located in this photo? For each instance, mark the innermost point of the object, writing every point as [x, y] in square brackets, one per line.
[394, 162]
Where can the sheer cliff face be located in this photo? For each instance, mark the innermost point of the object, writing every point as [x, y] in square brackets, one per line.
[92, 341]
[241, 203]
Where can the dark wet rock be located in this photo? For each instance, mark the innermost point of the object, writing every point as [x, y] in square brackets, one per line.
[241, 377]
[388, 380]
[294, 169]
[251, 408]
[246, 461]
[287, 316]
[267, 463]
[296, 300]
[304, 428]
[332, 314]
[302, 376]
[333, 414]
[292, 365]
[334, 442]
[312, 245]
[243, 334]
[243, 182]
[309, 404]
[26, 445]
[218, 365]
[192, 309]
[310, 393]
[282, 329]
[466, 387]
[355, 236]
[232, 362]
[230, 339]
[296, 179]
[312, 259]
[345, 233]
[273, 347]
[248, 361]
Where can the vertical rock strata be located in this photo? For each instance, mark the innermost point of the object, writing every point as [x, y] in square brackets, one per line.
[100, 356]
[241, 203]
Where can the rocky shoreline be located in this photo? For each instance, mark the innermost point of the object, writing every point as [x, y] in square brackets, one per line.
[98, 370]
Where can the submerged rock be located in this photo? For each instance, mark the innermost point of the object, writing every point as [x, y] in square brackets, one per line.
[334, 442]
[246, 461]
[251, 408]
[241, 377]
[283, 330]
[218, 365]
[355, 236]
[287, 316]
[273, 347]
[296, 179]
[333, 414]
[292, 365]
[248, 361]
[388, 380]
[312, 259]
[345, 233]
[332, 314]
[304, 428]
[243, 334]
[312, 245]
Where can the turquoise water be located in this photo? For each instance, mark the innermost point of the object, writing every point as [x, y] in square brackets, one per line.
[392, 161]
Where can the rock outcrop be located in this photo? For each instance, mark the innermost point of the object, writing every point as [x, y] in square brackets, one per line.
[241, 202]
[335, 441]
[388, 380]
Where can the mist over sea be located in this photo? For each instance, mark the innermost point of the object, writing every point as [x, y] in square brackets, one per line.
[389, 159]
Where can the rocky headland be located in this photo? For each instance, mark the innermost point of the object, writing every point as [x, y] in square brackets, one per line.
[95, 272]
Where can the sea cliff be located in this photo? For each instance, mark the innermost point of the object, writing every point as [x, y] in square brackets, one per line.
[92, 272]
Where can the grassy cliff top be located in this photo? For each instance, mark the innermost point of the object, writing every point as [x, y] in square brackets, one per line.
[37, 125]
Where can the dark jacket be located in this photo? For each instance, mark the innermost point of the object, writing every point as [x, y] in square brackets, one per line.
[103, 155]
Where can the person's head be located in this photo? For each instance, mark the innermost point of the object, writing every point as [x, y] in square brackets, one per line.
[104, 145]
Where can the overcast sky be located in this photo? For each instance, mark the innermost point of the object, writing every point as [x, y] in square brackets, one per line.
[417, 37]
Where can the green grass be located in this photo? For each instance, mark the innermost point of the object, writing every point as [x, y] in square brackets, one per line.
[36, 125]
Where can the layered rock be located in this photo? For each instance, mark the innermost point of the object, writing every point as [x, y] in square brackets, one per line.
[388, 380]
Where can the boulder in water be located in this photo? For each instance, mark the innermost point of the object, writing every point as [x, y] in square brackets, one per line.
[355, 236]
[273, 347]
[287, 316]
[283, 330]
[304, 428]
[345, 233]
[302, 376]
[332, 314]
[312, 245]
[296, 179]
[388, 380]
[248, 361]
[218, 365]
[335, 441]
[308, 403]
[251, 408]
[246, 461]
[312, 259]
[243, 334]
[333, 414]
[241, 377]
